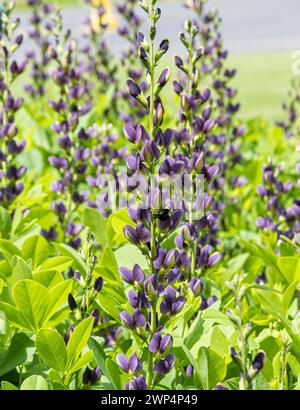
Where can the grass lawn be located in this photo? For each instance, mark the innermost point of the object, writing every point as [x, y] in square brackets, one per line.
[263, 80]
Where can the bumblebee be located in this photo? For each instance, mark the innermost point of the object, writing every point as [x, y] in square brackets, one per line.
[162, 214]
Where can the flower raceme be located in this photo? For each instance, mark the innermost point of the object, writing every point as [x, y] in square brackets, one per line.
[160, 291]
[10, 147]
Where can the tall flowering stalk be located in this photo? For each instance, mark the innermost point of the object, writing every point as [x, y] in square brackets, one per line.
[88, 285]
[280, 196]
[290, 124]
[10, 70]
[102, 64]
[152, 225]
[132, 64]
[249, 368]
[40, 33]
[171, 278]
[224, 140]
[73, 138]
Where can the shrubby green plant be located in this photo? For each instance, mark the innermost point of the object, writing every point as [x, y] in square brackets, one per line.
[144, 296]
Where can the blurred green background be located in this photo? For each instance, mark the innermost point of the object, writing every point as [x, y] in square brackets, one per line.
[263, 77]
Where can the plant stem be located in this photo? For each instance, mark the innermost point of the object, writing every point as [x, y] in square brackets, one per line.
[245, 382]
[150, 355]
[152, 68]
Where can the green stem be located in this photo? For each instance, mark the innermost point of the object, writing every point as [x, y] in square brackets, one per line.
[193, 261]
[152, 69]
[245, 381]
[149, 378]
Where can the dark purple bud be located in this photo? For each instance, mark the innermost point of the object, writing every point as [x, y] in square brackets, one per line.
[177, 87]
[98, 284]
[164, 77]
[87, 376]
[72, 302]
[164, 45]
[164, 366]
[96, 375]
[96, 316]
[259, 360]
[133, 89]
[178, 61]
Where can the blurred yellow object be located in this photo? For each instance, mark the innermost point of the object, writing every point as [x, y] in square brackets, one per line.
[107, 18]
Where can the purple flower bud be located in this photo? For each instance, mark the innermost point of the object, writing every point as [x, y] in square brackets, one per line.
[259, 360]
[196, 286]
[164, 366]
[164, 45]
[133, 89]
[208, 125]
[87, 376]
[213, 259]
[96, 375]
[164, 77]
[178, 61]
[98, 284]
[189, 370]
[72, 302]
[177, 87]
[96, 316]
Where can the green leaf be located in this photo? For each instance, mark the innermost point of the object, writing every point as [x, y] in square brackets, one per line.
[109, 304]
[16, 354]
[97, 224]
[31, 299]
[9, 249]
[58, 296]
[67, 250]
[37, 249]
[128, 255]
[212, 368]
[78, 340]
[48, 278]
[293, 334]
[219, 342]
[99, 354]
[85, 359]
[34, 383]
[114, 374]
[57, 263]
[8, 386]
[5, 223]
[290, 268]
[20, 271]
[195, 332]
[108, 266]
[191, 360]
[14, 317]
[52, 349]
